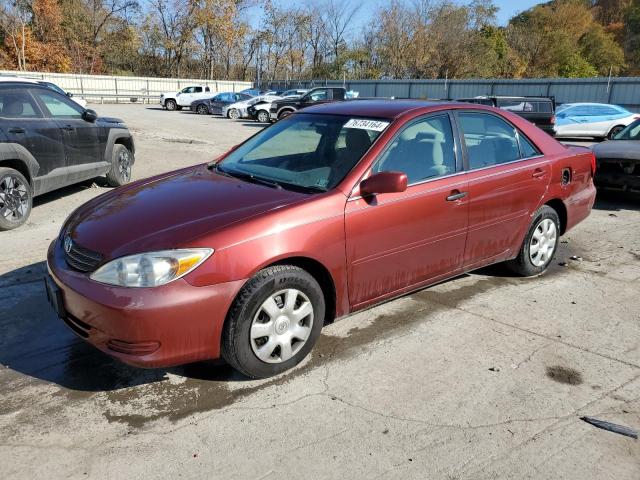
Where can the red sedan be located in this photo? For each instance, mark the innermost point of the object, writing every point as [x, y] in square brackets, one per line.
[334, 209]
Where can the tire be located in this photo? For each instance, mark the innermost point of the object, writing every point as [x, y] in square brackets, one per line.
[202, 109]
[171, 105]
[233, 114]
[263, 116]
[267, 290]
[544, 232]
[121, 165]
[284, 113]
[614, 131]
[16, 199]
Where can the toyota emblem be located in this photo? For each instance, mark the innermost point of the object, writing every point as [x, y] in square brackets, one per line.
[68, 244]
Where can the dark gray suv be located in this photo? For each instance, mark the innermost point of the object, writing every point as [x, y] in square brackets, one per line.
[48, 141]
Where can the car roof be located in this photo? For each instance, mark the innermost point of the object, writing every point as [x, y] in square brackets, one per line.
[590, 104]
[380, 108]
[8, 78]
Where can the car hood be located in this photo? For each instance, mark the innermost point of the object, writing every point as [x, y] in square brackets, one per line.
[109, 120]
[623, 149]
[169, 211]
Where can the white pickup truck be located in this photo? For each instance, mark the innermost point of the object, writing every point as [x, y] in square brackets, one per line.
[183, 98]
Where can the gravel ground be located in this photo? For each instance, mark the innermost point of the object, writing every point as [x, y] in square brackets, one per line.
[484, 376]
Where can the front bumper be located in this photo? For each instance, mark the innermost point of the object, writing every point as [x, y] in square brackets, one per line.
[169, 325]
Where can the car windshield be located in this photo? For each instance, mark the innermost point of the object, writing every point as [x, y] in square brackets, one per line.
[632, 132]
[305, 152]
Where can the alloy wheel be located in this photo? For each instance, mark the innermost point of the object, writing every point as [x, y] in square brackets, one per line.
[543, 242]
[202, 110]
[14, 198]
[281, 326]
[234, 114]
[124, 165]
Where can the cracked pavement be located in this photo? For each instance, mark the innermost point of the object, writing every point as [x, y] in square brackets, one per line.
[481, 377]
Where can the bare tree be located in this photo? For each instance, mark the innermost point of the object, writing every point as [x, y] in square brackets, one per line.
[14, 18]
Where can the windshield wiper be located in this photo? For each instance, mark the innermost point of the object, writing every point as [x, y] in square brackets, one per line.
[248, 177]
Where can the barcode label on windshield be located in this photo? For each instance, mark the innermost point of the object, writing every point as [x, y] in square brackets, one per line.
[375, 125]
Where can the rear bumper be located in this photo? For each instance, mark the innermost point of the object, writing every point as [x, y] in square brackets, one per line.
[147, 327]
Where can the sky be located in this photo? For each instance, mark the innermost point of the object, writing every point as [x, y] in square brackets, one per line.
[508, 8]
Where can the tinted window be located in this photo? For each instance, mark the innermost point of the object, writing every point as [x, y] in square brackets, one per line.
[207, 89]
[423, 150]
[58, 106]
[17, 104]
[318, 95]
[198, 89]
[489, 139]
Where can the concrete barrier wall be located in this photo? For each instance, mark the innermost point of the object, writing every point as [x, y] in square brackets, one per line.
[110, 88]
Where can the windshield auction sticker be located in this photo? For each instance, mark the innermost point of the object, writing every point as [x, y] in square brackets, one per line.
[375, 125]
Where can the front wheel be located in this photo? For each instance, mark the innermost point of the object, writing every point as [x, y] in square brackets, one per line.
[284, 114]
[121, 165]
[16, 199]
[202, 110]
[170, 104]
[540, 244]
[263, 117]
[234, 114]
[274, 322]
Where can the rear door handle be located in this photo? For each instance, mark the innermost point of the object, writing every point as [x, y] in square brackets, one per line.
[538, 173]
[16, 130]
[456, 196]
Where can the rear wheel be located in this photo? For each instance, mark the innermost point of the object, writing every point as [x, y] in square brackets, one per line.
[234, 114]
[540, 244]
[263, 116]
[170, 104]
[121, 166]
[274, 322]
[202, 110]
[16, 199]
[614, 131]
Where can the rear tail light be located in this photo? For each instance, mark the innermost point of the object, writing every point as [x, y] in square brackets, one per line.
[593, 164]
[553, 119]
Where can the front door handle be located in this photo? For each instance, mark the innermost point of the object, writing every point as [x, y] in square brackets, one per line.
[16, 130]
[68, 128]
[538, 173]
[456, 195]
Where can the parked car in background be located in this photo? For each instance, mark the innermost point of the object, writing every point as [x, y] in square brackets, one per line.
[254, 92]
[184, 98]
[334, 209]
[596, 120]
[47, 141]
[286, 106]
[538, 110]
[239, 109]
[214, 105]
[618, 160]
[259, 111]
[79, 100]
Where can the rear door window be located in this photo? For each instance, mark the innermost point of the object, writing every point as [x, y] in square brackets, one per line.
[489, 140]
[17, 104]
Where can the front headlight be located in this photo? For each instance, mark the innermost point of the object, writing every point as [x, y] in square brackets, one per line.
[151, 269]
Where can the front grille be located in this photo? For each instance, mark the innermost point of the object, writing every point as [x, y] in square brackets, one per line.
[81, 258]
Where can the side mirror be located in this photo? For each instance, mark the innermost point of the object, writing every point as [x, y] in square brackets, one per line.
[69, 94]
[384, 182]
[89, 115]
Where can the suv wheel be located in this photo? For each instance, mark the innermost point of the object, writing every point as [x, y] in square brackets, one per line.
[234, 114]
[274, 321]
[170, 104]
[16, 198]
[540, 244]
[202, 109]
[284, 113]
[263, 116]
[121, 163]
